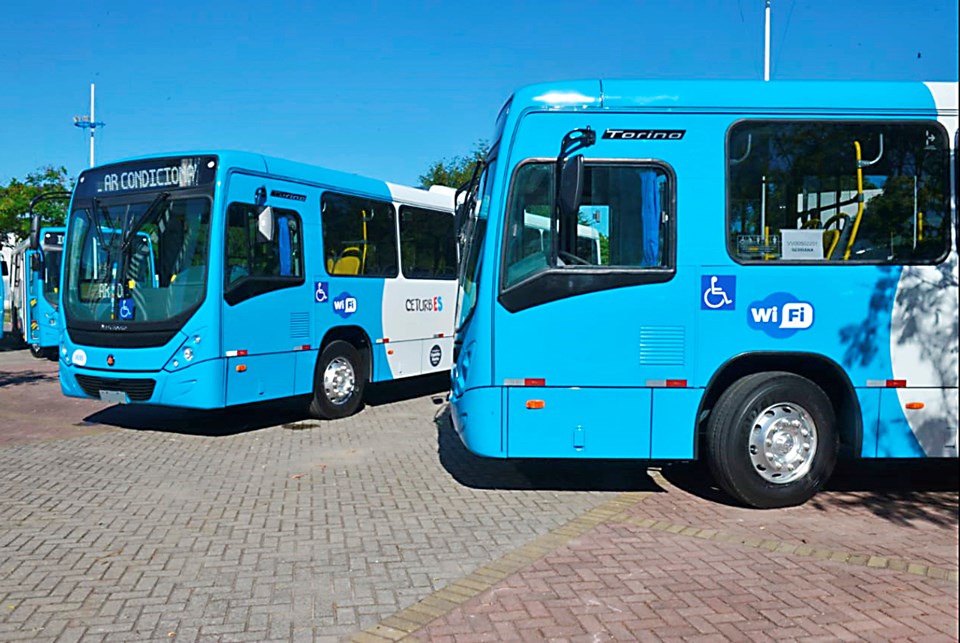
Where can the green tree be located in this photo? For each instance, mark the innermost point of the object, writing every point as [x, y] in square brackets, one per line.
[454, 172]
[15, 200]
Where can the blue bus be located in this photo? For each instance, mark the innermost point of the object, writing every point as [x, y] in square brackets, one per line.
[776, 288]
[34, 292]
[213, 279]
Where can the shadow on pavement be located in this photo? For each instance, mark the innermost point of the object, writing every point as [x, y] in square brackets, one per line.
[541, 475]
[16, 378]
[290, 412]
[407, 389]
[901, 491]
[897, 490]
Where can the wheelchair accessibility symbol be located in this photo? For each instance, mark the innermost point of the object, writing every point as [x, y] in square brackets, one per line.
[127, 309]
[719, 292]
[320, 291]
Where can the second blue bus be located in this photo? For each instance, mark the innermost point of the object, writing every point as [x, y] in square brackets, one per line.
[214, 279]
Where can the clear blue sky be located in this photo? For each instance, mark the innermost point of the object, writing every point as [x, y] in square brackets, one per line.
[383, 88]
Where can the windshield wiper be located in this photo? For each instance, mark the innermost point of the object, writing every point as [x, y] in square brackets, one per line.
[95, 220]
[144, 218]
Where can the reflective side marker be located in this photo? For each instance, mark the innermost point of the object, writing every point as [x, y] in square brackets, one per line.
[914, 406]
[241, 368]
[535, 404]
[667, 383]
[887, 383]
[527, 381]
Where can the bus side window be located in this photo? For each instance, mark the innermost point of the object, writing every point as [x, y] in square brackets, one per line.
[359, 236]
[620, 224]
[255, 264]
[838, 191]
[427, 244]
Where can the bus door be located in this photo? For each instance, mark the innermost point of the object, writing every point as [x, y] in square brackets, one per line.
[266, 311]
[585, 345]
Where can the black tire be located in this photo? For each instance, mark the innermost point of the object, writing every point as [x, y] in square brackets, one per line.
[339, 357]
[790, 404]
[37, 352]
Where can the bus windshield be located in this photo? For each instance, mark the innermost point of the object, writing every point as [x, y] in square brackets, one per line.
[475, 228]
[140, 259]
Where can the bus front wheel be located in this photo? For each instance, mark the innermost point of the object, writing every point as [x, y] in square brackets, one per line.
[37, 352]
[772, 440]
[338, 382]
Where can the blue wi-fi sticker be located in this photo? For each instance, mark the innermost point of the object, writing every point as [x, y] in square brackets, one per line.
[780, 315]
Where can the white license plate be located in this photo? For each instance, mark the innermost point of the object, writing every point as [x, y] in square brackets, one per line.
[114, 397]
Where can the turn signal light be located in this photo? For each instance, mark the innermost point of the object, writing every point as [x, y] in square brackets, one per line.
[914, 406]
[535, 404]
[241, 368]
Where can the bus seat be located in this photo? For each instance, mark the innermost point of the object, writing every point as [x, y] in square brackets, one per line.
[348, 263]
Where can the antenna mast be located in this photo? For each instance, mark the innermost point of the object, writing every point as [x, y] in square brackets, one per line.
[89, 122]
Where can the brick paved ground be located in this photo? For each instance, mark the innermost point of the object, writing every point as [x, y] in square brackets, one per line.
[121, 524]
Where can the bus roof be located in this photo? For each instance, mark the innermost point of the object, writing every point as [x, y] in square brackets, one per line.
[743, 95]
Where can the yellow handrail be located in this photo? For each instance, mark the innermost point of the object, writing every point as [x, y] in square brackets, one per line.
[856, 222]
[363, 256]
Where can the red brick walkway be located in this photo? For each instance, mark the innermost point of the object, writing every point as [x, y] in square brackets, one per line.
[849, 566]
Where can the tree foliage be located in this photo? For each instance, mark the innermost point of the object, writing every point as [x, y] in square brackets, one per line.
[454, 172]
[15, 198]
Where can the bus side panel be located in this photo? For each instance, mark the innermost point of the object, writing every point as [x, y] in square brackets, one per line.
[578, 422]
[674, 423]
[897, 438]
[478, 419]
[869, 399]
[354, 302]
[419, 312]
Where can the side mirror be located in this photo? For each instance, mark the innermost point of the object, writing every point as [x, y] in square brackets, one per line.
[571, 186]
[36, 264]
[265, 225]
[34, 242]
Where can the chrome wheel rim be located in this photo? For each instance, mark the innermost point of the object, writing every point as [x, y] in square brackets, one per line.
[783, 443]
[339, 380]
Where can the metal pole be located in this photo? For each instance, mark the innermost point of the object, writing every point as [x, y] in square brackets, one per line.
[89, 122]
[766, 41]
[93, 119]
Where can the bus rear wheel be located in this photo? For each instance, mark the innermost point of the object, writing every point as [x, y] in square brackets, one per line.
[338, 382]
[772, 440]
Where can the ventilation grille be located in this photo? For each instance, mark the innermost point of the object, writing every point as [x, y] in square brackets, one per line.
[662, 345]
[138, 390]
[299, 325]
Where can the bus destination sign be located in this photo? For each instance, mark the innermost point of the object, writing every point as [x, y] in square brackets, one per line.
[154, 174]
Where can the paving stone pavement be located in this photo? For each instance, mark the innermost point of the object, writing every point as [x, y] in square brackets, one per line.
[130, 523]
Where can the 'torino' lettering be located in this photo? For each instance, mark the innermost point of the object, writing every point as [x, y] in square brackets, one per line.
[644, 134]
